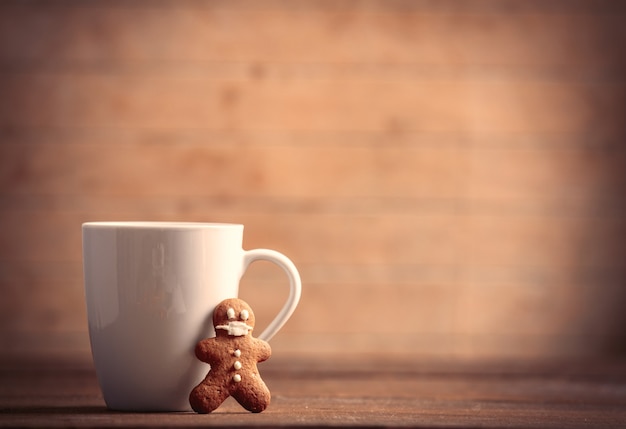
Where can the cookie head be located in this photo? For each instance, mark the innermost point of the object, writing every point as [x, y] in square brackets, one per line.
[233, 317]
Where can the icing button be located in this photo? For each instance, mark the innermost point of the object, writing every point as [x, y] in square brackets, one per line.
[237, 353]
[237, 365]
[236, 378]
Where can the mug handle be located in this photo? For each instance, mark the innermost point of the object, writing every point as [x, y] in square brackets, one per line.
[295, 286]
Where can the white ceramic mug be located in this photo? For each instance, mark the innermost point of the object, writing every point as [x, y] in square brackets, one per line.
[151, 288]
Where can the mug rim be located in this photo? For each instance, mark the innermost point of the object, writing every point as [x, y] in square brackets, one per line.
[159, 224]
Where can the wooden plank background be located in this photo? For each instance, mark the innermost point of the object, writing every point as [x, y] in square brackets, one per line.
[448, 176]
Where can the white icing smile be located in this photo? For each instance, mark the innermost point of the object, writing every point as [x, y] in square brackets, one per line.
[235, 328]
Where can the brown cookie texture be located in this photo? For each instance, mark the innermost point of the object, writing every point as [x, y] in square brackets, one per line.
[233, 355]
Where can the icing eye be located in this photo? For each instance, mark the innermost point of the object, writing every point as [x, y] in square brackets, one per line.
[230, 313]
[244, 315]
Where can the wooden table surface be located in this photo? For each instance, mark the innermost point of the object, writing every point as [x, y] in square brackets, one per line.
[343, 391]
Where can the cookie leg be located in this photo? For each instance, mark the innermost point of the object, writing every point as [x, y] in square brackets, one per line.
[253, 395]
[207, 396]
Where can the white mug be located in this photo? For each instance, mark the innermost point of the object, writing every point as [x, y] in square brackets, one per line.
[151, 288]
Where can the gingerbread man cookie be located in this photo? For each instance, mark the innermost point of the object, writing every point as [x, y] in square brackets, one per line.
[233, 355]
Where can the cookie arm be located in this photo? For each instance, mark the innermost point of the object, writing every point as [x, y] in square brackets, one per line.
[204, 348]
[264, 350]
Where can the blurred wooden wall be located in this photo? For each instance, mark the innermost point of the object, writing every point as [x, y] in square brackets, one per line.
[449, 176]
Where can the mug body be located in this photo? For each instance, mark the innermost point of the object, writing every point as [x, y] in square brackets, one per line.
[150, 289]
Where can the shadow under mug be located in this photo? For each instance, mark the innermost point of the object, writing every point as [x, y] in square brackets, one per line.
[151, 288]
